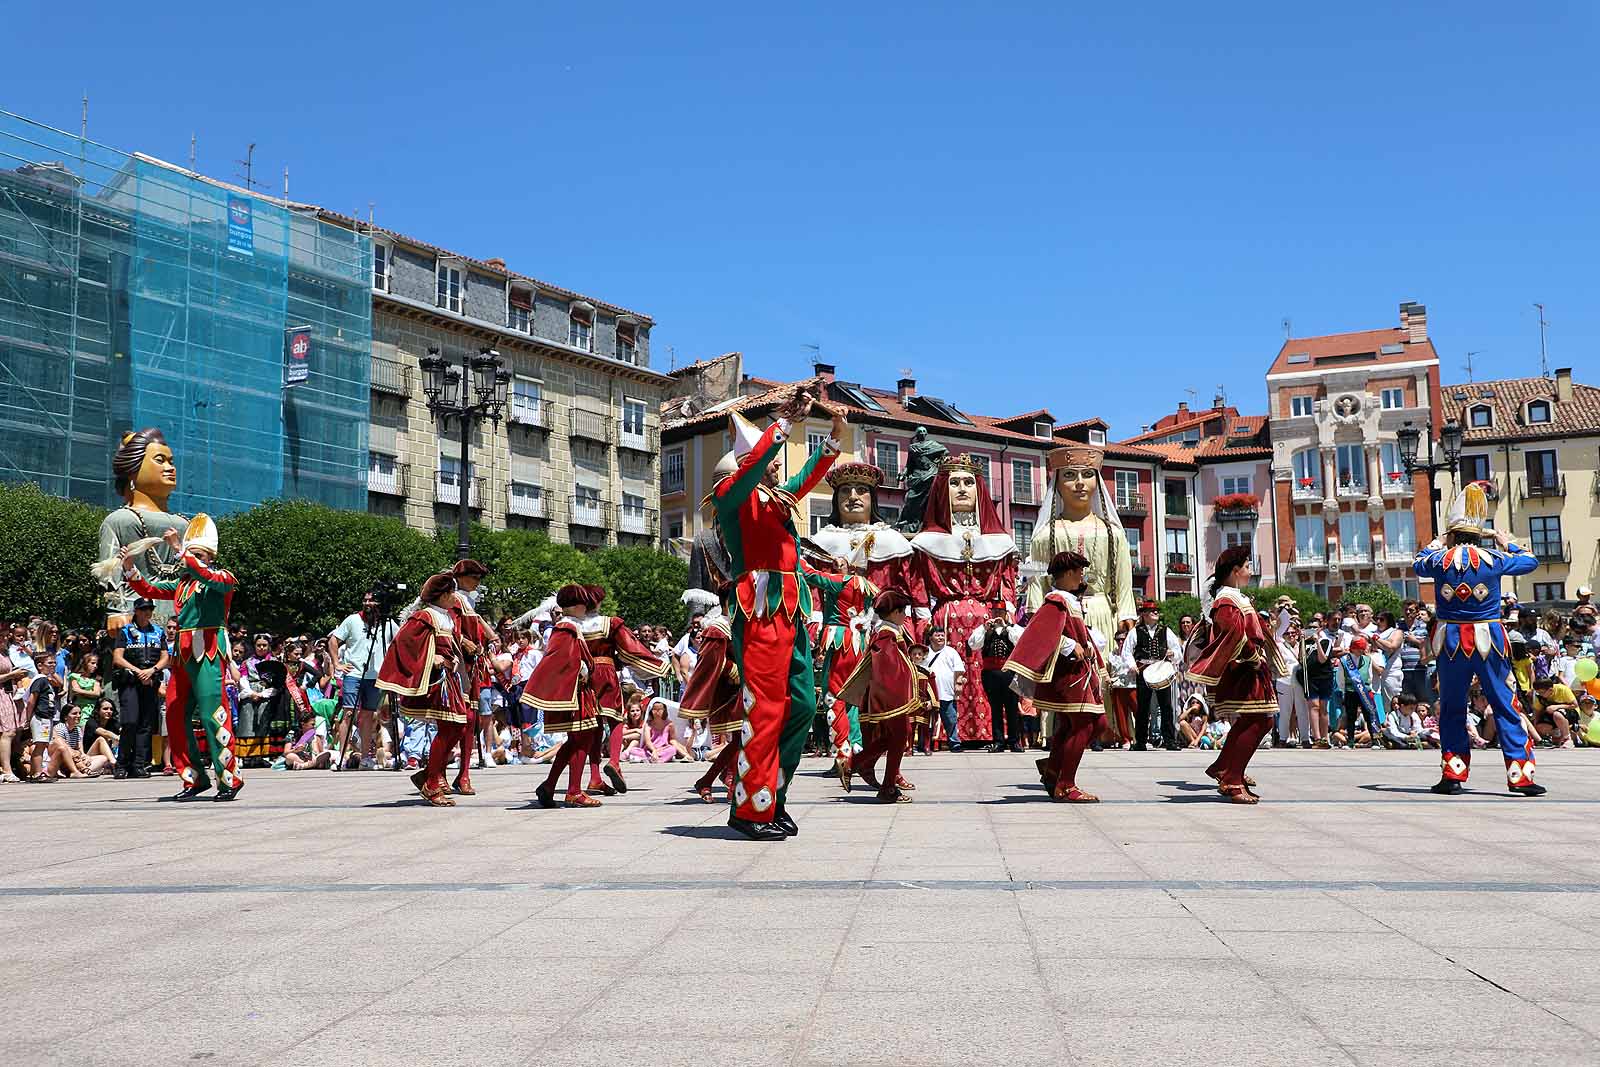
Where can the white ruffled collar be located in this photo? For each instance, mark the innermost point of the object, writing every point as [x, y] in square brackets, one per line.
[965, 544]
[886, 542]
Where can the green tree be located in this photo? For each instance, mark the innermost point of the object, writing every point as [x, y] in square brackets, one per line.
[48, 545]
[1175, 608]
[303, 567]
[645, 584]
[1381, 597]
[1308, 603]
[525, 566]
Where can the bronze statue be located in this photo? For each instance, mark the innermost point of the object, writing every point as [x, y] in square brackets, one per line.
[922, 466]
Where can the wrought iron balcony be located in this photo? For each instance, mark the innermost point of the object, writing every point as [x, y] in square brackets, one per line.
[641, 521]
[592, 425]
[1132, 504]
[390, 482]
[1544, 488]
[1178, 563]
[528, 412]
[646, 439]
[391, 376]
[1397, 484]
[587, 511]
[1303, 491]
[528, 501]
[447, 490]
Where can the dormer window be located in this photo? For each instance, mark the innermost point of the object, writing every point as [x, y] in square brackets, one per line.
[1097, 437]
[1538, 412]
[382, 257]
[627, 341]
[1042, 428]
[1480, 417]
[519, 309]
[580, 325]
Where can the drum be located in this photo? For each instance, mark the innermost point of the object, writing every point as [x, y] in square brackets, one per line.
[1160, 674]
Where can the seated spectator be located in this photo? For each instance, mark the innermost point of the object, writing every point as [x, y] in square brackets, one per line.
[1480, 718]
[1192, 725]
[310, 751]
[1588, 720]
[656, 743]
[1403, 728]
[83, 683]
[1554, 708]
[67, 757]
[100, 737]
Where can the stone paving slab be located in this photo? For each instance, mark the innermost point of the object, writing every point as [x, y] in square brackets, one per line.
[1352, 918]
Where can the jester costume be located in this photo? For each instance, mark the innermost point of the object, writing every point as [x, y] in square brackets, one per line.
[846, 623]
[1469, 642]
[201, 596]
[771, 604]
[712, 694]
[1057, 664]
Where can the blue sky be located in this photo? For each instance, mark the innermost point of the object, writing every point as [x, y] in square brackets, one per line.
[1094, 210]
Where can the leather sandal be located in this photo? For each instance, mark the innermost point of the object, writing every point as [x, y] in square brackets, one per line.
[439, 798]
[1211, 773]
[579, 800]
[901, 783]
[604, 788]
[1074, 795]
[841, 767]
[705, 794]
[463, 786]
[1238, 794]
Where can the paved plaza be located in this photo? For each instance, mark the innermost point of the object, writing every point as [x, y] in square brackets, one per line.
[1351, 918]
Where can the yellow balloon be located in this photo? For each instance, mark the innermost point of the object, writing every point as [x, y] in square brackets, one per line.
[1586, 670]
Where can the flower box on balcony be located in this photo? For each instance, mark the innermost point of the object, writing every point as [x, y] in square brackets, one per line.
[1180, 568]
[1237, 506]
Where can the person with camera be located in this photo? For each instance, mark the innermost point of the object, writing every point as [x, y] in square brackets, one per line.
[357, 647]
[139, 656]
[994, 641]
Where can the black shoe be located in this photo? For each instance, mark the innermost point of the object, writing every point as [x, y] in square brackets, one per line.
[192, 792]
[955, 746]
[614, 776]
[545, 794]
[1173, 746]
[1140, 747]
[785, 822]
[1446, 787]
[757, 831]
[119, 774]
[228, 792]
[1095, 746]
[1018, 747]
[142, 773]
[1528, 790]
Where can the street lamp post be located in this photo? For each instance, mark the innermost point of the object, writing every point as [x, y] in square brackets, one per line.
[470, 393]
[1449, 441]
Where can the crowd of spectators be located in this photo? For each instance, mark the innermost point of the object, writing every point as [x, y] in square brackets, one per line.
[82, 704]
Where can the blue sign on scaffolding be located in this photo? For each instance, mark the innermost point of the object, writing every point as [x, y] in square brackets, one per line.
[241, 227]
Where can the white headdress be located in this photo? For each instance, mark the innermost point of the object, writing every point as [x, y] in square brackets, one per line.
[201, 533]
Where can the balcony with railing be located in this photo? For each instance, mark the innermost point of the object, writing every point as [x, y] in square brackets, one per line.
[591, 425]
[1351, 555]
[589, 511]
[1309, 556]
[1400, 552]
[1140, 565]
[391, 376]
[1131, 503]
[1237, 507]
[1179, 563]
[639, 521]
[1396, 483]
[389, 480]
[639, 439]
[1551, 553]
[1550, 488]
[1306, 489]
[527, 501]
[529, 412]
[447, 490]
[1351, 488]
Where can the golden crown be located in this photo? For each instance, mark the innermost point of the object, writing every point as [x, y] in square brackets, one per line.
[855, 473]
[962, 462]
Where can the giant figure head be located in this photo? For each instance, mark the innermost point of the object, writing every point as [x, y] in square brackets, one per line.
[855, 493]
[143, 470]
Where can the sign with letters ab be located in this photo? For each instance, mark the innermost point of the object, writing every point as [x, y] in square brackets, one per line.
[241, 226]
[296, 355]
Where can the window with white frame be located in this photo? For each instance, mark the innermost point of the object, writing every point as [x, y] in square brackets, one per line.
[526, 399]
[1235, 536]
[1177, 540]
[1127, 488]
[1352, 466]
[1392, 397]
[1394, 471]
[1307, 469]
[819, 513]
[580, 328]
[1022, 481]
[519, 310]
[633, 505]
[1042, 428]
[448, 277]
[526, 498]
[1400, 531]
[1355, 535]
[887, 456]
[1538, 412]
[586, 496]
[382, 258]
[985, 465]
[633, 416]
[1135, 541]
[1310, 540]
[1022, 534]
[627, 343]
[1545, 592]
[814, 441]
[1480, 416]
[1234, 483]
[1301, 405]
[672, 471]
[1097, 437]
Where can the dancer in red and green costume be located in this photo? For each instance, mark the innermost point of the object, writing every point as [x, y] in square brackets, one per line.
[771, 602]
[201, 596]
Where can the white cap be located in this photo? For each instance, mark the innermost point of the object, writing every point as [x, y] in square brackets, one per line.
[1584, 590]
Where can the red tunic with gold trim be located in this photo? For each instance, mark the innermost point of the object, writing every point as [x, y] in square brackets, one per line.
[888, 677]
[1057, 663]
[1240, 660]
[420, 667]
[560, 684]
[475, 671]
[608, 640]
[713, 690]
[929, 696]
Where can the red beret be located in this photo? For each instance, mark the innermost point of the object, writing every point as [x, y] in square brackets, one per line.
[436, 586]
[891, 600]
[469, 568]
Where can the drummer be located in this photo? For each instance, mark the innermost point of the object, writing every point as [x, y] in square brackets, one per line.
[1155, 652]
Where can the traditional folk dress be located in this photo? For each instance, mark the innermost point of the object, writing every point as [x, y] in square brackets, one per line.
[712, 693]
[609, 640]
[965, 567]
[201, 596]
[846, 624]
[559, 687]
[890, 696]
[420, 669]
[1057, 665]
[475, 672]
[771, 605]
[1469, 642]
[1239, 664]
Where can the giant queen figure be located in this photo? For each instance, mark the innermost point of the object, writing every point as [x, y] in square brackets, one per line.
[965, 568]
[145, 477]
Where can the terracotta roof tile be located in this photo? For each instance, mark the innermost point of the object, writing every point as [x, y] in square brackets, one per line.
[1577, 417]
[1325, 351]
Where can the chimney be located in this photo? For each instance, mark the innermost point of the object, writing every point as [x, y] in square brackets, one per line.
[1563, 383]
[823, 370]
[497, 263]
[1218, 401]
[1414, 320]
[1183, 407]
[907, 388]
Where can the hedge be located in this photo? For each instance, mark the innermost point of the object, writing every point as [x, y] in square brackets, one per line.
[48, 544]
